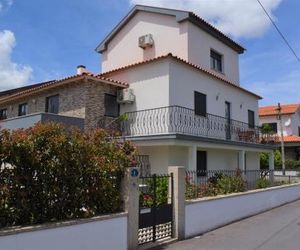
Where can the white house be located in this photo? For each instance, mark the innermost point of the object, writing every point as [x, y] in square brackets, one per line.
[268, 115]
[189, 107]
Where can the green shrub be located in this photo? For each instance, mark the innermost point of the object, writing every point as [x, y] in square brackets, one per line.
[230, 184]
[49, 173]
[264, 160]
[162, 191]
[219, 183]
[292, 164]
[263, 183]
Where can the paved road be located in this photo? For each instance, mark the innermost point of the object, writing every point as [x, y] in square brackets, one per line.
[277, 229]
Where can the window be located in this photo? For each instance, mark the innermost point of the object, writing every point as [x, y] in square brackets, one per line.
[216, 61]
[228, 120]
[251, 119]
[200, 103]
[23, 109]
[52, 104]
[111, 105]
[3, 114]
[269, 127]
[201, 163]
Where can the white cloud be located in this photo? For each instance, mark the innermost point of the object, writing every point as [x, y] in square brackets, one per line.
[5, 4]
[12, 75]
[238, 18]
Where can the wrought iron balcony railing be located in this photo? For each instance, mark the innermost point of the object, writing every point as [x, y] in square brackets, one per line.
[180, 120]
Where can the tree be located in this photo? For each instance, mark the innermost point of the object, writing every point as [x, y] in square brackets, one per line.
[264, 160]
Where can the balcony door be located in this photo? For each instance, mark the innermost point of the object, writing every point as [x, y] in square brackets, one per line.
[228, 120]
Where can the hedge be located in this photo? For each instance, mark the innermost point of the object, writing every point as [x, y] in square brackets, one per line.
[50, 173]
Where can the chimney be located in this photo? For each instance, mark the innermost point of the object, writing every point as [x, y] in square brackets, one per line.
[81, 70]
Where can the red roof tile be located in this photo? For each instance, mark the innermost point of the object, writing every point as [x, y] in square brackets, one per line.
[60, 82]
[208, 72]
[291, 138]
[273, 110]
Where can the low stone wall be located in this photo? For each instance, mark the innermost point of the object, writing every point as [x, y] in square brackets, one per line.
[103, 232]
[203, 215]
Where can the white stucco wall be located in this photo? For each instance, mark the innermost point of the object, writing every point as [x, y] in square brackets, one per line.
[169, 37]
[207, 214]
[158, 157]
[292, 129]
[150, 84]
[200, 44]
[295, 123]
[217, 159]
[110, 233]
[183, 39]
[222, 159]
[252, 161]
[184, 80]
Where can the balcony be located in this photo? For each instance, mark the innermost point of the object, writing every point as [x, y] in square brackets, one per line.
[27, 121]
[184, 121]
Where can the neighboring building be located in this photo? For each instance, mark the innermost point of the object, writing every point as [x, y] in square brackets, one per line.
[81, 100]
[189, 107]
[268, 116]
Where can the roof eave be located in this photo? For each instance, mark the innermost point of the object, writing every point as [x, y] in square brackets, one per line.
[56, 84]
[180, 16]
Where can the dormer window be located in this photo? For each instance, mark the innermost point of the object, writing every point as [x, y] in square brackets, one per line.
[216, 61]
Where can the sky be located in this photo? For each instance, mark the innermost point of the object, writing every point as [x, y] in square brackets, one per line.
[42, 40]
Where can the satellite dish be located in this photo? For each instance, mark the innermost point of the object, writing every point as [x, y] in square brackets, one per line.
[288, 122]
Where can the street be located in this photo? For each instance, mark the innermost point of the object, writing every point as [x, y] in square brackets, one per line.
[276, 229]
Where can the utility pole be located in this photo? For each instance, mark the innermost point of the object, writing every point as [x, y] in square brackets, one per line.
[282, 138]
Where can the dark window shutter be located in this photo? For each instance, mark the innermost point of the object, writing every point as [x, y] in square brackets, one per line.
[111, 105]
[201, 163]
[52, 104]
[251, 119]
[200, 103]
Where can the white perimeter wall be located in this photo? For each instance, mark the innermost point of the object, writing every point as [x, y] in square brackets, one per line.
[207, 214]
[102, 234]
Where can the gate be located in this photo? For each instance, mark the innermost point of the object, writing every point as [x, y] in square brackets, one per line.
[156, 208]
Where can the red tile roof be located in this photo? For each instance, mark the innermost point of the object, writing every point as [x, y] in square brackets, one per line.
[291, 138]
[208, 72]
[273, 110]
[20, 93]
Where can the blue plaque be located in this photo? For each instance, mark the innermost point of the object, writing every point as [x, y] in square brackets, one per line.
[134, 172]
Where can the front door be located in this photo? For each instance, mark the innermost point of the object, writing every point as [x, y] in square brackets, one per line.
[201, 163]
[228, 120]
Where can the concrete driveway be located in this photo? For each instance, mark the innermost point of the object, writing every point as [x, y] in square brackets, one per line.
[276, 229]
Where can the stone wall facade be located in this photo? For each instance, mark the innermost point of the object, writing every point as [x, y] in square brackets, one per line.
[82, 99]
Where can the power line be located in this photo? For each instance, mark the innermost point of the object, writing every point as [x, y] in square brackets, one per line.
[279, 32]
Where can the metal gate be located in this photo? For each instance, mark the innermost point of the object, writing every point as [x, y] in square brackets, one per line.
[156, 208]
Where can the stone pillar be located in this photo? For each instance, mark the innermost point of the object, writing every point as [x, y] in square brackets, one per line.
[192, 158]
[271, 166]
[178, 201]
[130, 194]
